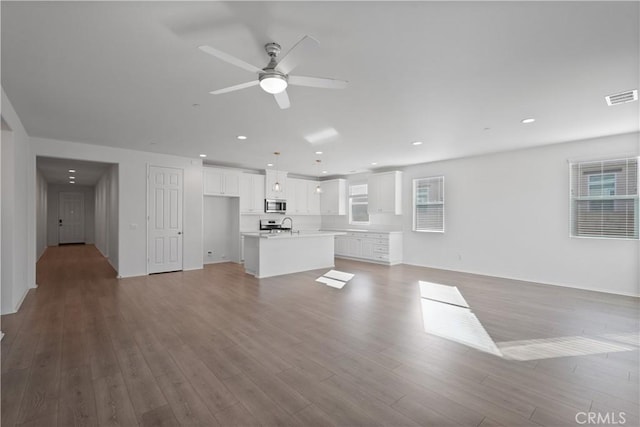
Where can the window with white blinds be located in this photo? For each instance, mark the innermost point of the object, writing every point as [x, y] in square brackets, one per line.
[358, 204]
[428, 204]
[604, 198]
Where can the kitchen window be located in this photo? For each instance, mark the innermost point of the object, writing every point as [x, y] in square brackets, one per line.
[358, 204]
[604, 198]
[428, 204]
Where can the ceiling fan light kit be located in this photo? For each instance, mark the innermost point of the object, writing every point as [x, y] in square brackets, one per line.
[274, 78]
[273, 83]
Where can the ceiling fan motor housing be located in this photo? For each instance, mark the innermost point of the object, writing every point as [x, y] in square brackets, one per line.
[273, 49]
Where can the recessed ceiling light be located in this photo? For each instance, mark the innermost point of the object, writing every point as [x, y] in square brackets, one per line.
[72, 177]
[325, 172]
[318, 152]
[417, 143]
[269, 164]
[72, 182]
[374, 163]
[242, 137]
[72, 170]
[203, 155]
[528, 120]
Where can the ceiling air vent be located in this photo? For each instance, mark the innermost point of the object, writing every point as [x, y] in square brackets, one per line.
[622, 97]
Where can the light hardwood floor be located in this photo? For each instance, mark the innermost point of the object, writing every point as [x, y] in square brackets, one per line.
[219, 347]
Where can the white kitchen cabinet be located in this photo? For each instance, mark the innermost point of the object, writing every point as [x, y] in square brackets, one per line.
[251, 193]
[385, 193]
[271, 178]
[379, 247]
[302, 198]
[220, 182]
[333, 199]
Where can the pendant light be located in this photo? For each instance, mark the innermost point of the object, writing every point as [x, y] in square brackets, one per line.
[276, 185]
[318, 188]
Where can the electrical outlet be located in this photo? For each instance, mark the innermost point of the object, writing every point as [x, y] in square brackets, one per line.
[209, 253]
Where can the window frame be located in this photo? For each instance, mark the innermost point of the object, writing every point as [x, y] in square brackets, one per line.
[415, 204]
[591, 199]
[351, 203]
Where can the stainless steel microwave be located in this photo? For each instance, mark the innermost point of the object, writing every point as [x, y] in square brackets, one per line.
[275, 206]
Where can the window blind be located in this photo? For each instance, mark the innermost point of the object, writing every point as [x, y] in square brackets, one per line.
[604, 198]
[428, 204]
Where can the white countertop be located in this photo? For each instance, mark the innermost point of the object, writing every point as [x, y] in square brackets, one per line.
[294, 235]
[359, 230]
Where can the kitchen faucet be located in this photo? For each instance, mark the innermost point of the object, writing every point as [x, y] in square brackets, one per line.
[283, 220]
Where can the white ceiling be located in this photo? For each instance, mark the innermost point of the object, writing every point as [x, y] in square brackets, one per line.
[458, 76]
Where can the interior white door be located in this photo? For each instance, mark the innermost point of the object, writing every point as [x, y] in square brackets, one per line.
[165, 219]
[70, 218]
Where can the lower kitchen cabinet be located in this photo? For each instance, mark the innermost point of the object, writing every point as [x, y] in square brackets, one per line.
[380, 247]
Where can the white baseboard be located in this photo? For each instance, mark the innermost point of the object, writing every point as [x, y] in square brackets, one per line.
[19, 303]
[560, 285]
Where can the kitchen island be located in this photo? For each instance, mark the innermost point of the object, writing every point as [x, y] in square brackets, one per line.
[273, 254]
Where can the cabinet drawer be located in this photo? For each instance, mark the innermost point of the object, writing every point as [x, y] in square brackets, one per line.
[376, 236]
[381, 249]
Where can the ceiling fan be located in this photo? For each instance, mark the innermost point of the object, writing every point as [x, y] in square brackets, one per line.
[274, 78]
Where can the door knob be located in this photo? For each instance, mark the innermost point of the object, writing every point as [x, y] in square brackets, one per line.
[179, 232]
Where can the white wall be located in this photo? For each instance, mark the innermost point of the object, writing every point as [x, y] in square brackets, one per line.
[18, 254]
[101, 209]
[41, 214]
[507, 215]
[131, 177]
[113, 225]
[221, 229]
[54, 191]
[106, 215]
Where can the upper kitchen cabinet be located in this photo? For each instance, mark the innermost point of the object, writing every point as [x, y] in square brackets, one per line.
[272, 177]
[251, 193]
[302, 197]
[333, 199]
[220, 182]
[385, 193]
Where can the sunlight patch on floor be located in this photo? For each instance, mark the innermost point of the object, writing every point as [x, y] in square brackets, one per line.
[547, 348]
[335, 279]
[442, 293]
[457, 324]
[445, 313]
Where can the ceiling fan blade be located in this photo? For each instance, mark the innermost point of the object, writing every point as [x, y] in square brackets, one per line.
[236, 87]
[283, 100]
[230, 59]
[318, 82]
[304, 48]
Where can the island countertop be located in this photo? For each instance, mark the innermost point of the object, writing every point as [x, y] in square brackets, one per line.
[296, 234]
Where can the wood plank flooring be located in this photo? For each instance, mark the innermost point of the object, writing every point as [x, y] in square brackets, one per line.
[219, 347]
